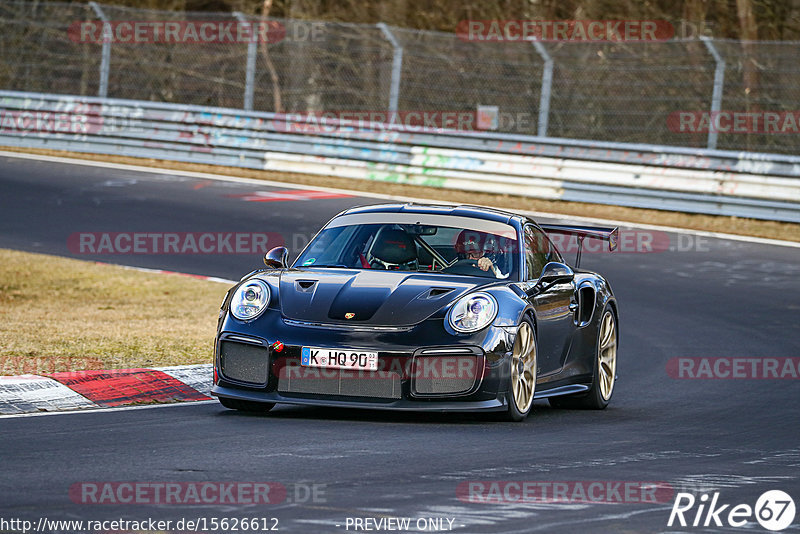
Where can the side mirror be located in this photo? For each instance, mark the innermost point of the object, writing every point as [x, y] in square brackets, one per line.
[277, 258]
[555, 272]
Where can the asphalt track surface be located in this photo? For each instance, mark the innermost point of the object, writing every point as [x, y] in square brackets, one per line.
[720, 298]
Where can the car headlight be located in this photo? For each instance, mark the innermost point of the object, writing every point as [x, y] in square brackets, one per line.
[472, 312]
[249, 300]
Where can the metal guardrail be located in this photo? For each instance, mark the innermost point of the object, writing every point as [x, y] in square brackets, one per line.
[763, 186]
[570, 88]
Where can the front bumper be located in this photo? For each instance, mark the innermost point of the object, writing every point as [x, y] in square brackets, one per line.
[421, 368]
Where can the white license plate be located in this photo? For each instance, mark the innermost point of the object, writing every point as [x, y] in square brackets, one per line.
[339, 358]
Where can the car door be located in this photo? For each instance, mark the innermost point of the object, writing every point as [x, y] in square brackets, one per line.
[553, 306]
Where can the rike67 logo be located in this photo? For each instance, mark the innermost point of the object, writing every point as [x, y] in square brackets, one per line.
[774, 510]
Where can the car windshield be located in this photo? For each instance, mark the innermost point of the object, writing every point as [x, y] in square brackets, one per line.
[443, 244]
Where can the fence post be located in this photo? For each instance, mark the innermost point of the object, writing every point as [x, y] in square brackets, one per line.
[716, 97]
[250, 72]
[397, 67]
[105, 57]
[547, 86]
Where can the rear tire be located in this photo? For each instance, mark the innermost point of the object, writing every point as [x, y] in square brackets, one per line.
[605, 369]
[246, 406]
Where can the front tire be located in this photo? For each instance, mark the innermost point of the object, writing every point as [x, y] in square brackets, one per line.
[605, 369]
[522, 384]
[246, 406]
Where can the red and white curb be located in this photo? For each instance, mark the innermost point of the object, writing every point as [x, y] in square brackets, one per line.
[73, 390]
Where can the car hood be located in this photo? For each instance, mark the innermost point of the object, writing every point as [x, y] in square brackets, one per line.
[390, 298]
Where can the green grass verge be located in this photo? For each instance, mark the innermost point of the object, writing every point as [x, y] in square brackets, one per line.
[59, 314]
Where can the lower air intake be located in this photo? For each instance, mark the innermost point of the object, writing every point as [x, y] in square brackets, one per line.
[346, 383]
[446, 375]
[244, 363]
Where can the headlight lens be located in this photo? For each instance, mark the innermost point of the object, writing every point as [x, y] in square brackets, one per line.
[473, 312]
[249, 300]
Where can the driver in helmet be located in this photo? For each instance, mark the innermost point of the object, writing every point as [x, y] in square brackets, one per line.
[478, 246]
[474, 251]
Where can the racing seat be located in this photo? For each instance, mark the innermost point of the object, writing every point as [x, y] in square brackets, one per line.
[393, 249]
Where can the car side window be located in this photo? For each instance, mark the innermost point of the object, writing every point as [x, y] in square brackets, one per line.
[538, 251]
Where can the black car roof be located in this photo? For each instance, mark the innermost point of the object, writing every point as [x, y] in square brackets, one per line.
[477, 212]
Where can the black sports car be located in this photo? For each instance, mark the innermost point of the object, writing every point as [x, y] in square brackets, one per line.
[421, 307]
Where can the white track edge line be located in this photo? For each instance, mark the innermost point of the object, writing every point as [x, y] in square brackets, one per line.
[168, 272]
[111, 409]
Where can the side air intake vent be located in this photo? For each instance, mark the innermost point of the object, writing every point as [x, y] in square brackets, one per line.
[586, 301]
[305, 286]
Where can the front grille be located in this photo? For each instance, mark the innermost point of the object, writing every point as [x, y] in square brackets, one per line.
[244, 363]
[312, 380]
[446, 374]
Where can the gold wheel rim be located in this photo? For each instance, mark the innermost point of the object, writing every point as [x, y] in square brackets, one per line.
[607, 355]
[523, 368]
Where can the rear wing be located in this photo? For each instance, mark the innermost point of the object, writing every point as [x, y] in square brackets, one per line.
[582, 232]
